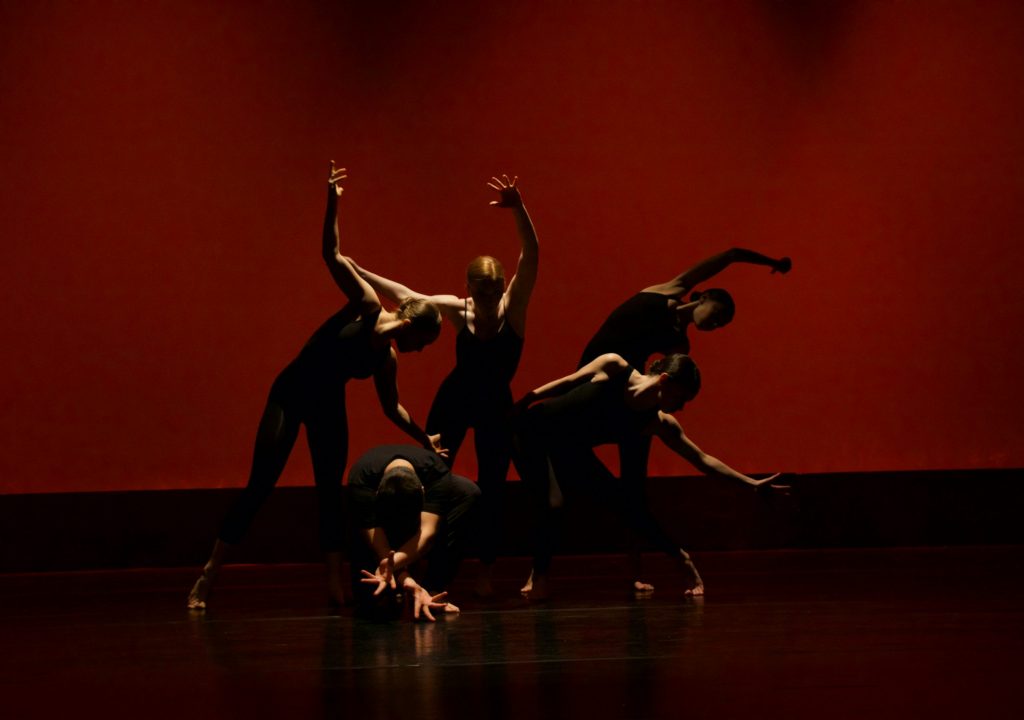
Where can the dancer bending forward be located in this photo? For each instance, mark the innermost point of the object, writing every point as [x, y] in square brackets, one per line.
[606, 401]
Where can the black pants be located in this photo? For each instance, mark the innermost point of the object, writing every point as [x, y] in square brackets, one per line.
[553, 466]
[458, 407]
[436, 571]
[293, 401]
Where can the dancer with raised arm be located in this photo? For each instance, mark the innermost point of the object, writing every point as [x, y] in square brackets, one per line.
[656, 320]
[607, 401]
[357, 342]
[490, 323]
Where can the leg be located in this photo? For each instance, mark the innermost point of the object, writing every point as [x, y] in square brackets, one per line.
[629, 498]
[275, 438]
[530, 453]
[493, 452]
[448, 416]
[633, 454]
[327, 436]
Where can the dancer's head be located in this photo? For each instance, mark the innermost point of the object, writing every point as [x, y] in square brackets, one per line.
[679, 380]
[715, 308]
[422, 326]
[399, 502]
[485, 282]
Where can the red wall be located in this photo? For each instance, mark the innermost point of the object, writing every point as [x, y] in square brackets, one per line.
[161, 194]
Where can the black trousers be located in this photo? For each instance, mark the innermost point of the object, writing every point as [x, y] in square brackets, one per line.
[555, 467]
[458, 407]
[294, 400]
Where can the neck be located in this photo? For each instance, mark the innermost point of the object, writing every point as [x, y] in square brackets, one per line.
[684, 312]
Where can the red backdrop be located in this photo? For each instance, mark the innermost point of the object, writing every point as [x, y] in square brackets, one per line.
[162, 175]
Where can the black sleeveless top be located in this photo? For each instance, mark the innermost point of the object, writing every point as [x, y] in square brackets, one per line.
[638, 328]
[491, 362]
[592, 414]
[342, 348]
[485, 368]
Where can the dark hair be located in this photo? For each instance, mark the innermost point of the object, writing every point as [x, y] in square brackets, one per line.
[722, 298]
[421, 314]
[681, 369]
[398, 504]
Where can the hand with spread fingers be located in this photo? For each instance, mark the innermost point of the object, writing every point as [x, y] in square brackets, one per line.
[508, 191]
[384, 577]
[335, 178]
[423, 602]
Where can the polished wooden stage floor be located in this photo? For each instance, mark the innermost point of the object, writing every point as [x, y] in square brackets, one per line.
[887, 633]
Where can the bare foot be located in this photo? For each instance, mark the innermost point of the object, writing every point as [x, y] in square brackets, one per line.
[527, 586]
[695, 591]
[642, 589]
[200, 592]
[691, 578]
[536, 588]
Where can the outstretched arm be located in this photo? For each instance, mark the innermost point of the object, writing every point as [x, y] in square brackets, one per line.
[671, 433]
[345, 276]
[600, 368]
[385, 380]
[520, 287]
[449, 305]
[707, 269]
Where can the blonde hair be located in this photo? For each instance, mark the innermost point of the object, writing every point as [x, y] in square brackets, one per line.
[485, 268]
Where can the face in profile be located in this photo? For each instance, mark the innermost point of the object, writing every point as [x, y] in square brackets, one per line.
[709, 315]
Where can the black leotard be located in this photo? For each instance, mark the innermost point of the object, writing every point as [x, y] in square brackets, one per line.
[476, 394]
[311, 391]
[638, 328]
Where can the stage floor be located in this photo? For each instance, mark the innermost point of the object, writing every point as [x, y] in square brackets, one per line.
[889, 633]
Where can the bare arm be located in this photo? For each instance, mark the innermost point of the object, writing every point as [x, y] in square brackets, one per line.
[600, 368]
[671, 433]
[449, 305]
[707, 269]
[415, 547]
[520, 287]
[385, 380]
[355, 288]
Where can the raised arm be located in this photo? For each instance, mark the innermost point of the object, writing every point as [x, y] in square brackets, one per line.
[708, 268]
[520, 287]
[385, 380]
[449, 305]
[355, 288]
[671, 433]
[600, 368]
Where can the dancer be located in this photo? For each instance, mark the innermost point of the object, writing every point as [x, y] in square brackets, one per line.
[356, 342]
[607, 401]
[655, 320]
[412, 517]
[490, 325]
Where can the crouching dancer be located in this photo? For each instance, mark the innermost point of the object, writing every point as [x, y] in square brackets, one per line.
[412, 518]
